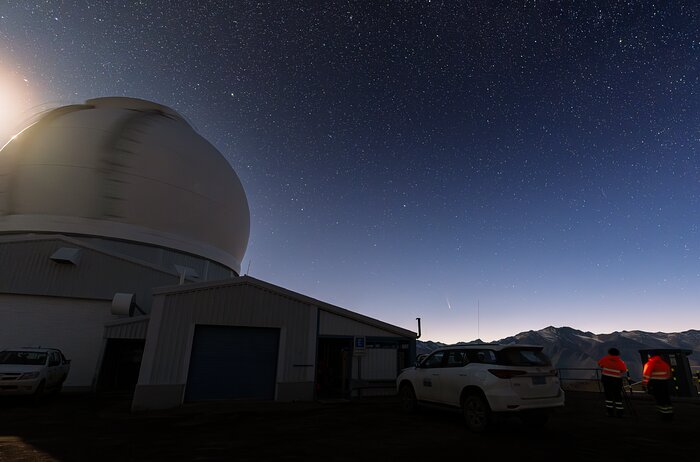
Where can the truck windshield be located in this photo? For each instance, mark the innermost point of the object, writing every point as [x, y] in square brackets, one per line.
[523, 357]
[26, 358]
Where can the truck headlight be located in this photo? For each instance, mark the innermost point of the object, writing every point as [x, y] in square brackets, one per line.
[29, 375]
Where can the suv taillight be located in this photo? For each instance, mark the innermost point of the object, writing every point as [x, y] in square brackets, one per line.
[506, 373]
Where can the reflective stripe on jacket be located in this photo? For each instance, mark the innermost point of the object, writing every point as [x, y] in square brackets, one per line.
[656, 369]
[613, 366]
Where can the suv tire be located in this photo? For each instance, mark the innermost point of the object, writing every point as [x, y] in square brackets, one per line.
[408, 398]
[477, 413]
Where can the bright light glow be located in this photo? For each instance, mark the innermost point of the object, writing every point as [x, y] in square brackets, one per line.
[15, 103]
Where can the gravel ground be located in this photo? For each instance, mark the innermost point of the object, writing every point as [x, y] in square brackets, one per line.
[90, 428]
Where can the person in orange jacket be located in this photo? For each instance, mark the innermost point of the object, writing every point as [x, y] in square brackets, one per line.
[656, 378]
[614, 369]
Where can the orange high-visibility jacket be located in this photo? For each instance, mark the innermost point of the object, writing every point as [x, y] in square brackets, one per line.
[656, 369]
[613, 366]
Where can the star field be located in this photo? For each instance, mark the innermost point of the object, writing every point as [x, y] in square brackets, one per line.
[537, 158]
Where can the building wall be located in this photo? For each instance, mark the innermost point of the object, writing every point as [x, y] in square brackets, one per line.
[334, 324]
[62, 305]
[168, 346]
[378, 364]
[74, 325]
[26, 268]
[247, 302]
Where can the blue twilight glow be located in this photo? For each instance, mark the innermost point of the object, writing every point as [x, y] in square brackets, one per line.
[408, 159]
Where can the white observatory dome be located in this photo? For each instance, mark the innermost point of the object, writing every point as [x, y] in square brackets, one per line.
[126, 169]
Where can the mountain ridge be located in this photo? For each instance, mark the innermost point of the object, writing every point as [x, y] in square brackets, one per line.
[570, 348]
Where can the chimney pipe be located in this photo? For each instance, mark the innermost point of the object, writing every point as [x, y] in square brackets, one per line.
[418, 336]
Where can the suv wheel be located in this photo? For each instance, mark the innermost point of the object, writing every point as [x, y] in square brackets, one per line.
[408, 398]
[477, 413]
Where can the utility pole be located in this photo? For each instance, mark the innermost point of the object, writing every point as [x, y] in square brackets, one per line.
[478, 335]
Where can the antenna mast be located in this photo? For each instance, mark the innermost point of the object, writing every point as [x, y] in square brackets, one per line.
[478, 335]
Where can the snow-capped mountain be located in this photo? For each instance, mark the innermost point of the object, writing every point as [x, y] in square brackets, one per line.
[571, 348]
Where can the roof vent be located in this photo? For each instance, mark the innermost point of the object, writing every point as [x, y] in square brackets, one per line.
[66, 255]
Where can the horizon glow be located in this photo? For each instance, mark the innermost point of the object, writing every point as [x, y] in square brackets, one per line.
[540, 161]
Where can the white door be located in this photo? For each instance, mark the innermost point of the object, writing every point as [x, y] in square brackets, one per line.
[427, 383]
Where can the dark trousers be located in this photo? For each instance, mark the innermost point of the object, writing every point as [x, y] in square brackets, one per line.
[660, 390]
[612, 387]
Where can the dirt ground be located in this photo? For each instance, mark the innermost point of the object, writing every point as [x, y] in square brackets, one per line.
[89, 428]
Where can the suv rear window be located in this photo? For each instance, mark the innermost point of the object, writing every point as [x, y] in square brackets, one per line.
[481, 356]
[523, 357]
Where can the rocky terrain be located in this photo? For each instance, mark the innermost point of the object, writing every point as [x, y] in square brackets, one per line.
[571, 348]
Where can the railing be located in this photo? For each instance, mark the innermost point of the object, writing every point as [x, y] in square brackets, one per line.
[591, 382]
[580, 379]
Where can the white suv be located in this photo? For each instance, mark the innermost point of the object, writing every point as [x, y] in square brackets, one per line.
[483, 379]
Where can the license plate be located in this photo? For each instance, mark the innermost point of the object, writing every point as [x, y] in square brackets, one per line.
[539, 380]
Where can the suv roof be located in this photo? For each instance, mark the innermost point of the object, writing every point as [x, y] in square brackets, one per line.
[492, 346]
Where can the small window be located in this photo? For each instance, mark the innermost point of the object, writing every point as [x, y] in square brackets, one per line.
[524, 357]
[434, 360]
[54, 359]
[482, 356]
[455, 358]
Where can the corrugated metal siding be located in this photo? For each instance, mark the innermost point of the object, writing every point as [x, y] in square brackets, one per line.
[75, 326]
[379, 364]
[134, 329]
[332, 324]
[238, 305]
[26, 268]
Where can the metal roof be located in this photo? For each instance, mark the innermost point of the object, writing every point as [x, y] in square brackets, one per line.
[281, 291]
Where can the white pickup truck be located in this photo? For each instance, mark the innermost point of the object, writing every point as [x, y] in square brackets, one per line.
[32, 371]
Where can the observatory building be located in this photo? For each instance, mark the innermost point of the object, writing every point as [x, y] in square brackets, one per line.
[122, 233]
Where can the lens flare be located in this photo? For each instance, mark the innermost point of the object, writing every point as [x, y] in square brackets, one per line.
[15, 103]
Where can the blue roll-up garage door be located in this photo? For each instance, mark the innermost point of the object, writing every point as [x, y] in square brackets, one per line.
[233, 363]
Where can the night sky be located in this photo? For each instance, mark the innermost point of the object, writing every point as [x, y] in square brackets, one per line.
[518, 164]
